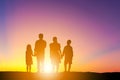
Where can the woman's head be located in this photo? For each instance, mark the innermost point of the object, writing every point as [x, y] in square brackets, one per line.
[40, 35]
[54, 39]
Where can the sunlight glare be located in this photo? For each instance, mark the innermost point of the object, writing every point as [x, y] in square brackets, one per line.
[47, 68]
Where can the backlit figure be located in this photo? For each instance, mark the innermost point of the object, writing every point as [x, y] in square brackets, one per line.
[55, 54]
[29, 54]
[68, 53]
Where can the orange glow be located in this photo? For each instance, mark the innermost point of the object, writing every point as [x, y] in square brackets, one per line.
[47, 68]
[23, 21]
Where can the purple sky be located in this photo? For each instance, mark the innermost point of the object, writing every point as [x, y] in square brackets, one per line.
[92, 25]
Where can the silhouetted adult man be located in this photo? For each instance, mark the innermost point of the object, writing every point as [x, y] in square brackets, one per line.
[68, 53]
[55, 54]
[39, 52]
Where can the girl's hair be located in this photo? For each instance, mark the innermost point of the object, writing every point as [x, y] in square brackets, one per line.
[28, 48]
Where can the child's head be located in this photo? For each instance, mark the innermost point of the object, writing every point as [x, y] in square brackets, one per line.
[28, 47]
[68, 42]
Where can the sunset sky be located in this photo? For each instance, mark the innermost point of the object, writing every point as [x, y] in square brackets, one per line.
[92, 25]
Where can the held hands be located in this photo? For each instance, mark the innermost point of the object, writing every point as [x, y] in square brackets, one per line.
[62, 56]
[34, 53]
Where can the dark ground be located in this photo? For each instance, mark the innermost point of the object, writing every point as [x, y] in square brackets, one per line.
[59, 76]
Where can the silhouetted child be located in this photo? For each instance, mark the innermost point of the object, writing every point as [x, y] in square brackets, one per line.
[29, 54]
[68, 53]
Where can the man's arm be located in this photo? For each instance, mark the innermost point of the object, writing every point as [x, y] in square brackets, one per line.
[35, 49]
[44, 44]
[72, 51]
[63, 53]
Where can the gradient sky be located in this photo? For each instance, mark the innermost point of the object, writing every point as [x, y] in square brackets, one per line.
[92, 25]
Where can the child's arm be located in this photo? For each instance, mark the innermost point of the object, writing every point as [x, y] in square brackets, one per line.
[63, 53]
[34, 53]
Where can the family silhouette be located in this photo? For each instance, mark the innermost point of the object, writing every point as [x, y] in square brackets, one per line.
[55, 54]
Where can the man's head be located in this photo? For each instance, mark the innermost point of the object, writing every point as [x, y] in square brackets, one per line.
[40, 35]
[68, 42]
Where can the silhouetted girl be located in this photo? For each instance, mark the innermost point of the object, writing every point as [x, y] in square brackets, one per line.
[29, 54]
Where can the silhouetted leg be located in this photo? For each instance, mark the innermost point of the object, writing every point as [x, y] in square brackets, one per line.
[53, 65]
[57, 67]
[42, 63]
[42, 66]
[65, 66]
[69, 68]
[38, 65]
[27, 68]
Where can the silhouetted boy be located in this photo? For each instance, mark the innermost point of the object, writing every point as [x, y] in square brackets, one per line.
[55, 54]
[68, 53]
[29, 54]
[39, 52]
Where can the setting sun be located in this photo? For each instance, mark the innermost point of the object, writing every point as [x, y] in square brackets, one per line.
[93, 26]
[47, 68]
